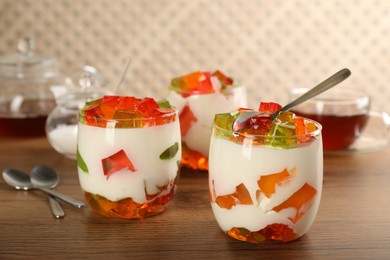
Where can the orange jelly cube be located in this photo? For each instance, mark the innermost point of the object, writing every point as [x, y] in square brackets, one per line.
[297, 200]
[267, 183]
[240, 196]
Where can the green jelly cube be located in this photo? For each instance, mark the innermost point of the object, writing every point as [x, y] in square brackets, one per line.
[282, 135]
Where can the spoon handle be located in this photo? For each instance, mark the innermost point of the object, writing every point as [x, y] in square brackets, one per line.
[323, 86]
[71, 201]
[123, 74]
[56, 208]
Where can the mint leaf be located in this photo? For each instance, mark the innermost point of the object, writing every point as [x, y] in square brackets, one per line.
[164, 104]
[81, 163]
[170, 152]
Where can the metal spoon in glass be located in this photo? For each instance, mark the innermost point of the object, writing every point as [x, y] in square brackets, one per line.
[40, 179]
[21, 181]
[323, 86]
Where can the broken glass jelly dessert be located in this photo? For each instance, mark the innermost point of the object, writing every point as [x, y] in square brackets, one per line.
[199, 96]
[128, 155]
[265, 179]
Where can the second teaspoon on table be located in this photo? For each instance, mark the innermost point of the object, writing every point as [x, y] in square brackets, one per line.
[21, 181]
[37, 174]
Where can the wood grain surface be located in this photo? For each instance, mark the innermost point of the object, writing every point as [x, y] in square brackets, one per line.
[353, 220]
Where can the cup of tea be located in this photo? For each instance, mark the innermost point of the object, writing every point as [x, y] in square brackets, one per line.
[342, 112]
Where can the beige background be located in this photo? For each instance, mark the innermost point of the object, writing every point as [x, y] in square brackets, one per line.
[270, 46]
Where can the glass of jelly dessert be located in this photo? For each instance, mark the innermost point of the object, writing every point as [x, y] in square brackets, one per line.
[265, 178]
[199, 96]
[128, 155]
[343, 114]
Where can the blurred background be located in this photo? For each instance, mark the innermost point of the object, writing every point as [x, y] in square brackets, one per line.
[269, 46]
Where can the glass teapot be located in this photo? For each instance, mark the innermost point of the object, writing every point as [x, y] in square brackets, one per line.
[61, 124]
[26, 96]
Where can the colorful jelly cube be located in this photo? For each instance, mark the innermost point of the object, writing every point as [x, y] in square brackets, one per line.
[240, 196]
[116, 162]
[225, 122]
[223, 79]
[299, 201]
[269, 107]
[268, 183]
[283, 132]
[259, 125]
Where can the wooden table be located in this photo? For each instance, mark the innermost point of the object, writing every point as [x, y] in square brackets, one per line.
[353, 220]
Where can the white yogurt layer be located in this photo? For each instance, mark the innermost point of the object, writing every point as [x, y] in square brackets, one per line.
[143, 146]
[204, 107]
[64, 140]
[231, 164]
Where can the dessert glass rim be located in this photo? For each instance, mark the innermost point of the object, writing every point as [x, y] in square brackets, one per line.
[246, 135]
[172, 113]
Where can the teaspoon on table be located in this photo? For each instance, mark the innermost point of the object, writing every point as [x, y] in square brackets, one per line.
[39, 178]
[320, 88]
[21, 181]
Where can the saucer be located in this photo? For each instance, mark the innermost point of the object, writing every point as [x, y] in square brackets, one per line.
[375, 137]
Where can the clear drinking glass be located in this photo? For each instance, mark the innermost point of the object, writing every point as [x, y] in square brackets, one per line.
[265, 187]
[128, 167]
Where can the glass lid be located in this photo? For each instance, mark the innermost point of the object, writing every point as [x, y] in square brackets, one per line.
[26, 64]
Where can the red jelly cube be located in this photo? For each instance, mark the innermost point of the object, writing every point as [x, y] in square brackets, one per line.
[92, 113]
[269, 107]
[278, 232]
[187, 118]
[108, 105]
[198, 82]
[192, 80]
[116, 162]
[225, 80]
[205, 86]
[127, 103]
[148, 107]
[260, 124]
[111, 101]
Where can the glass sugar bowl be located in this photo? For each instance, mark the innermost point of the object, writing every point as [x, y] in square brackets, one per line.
[61, 124]
[27, 82]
